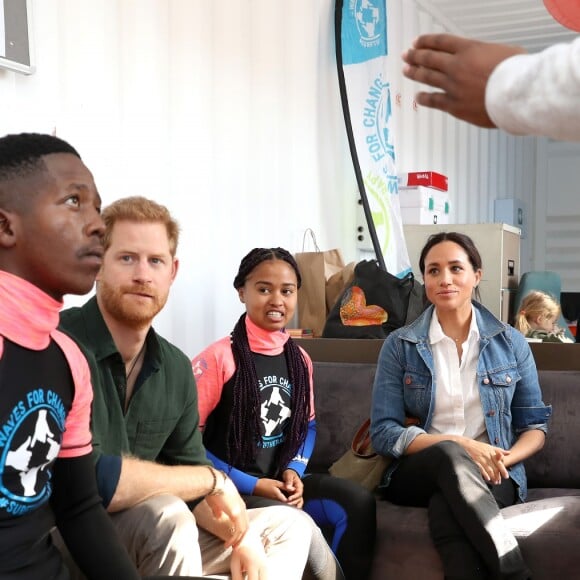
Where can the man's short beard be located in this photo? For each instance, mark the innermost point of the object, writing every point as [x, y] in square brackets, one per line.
[135, 316]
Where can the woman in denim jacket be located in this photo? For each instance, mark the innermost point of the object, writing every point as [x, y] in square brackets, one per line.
[470, 385]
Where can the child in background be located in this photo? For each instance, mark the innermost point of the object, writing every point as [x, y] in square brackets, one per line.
[537, 318]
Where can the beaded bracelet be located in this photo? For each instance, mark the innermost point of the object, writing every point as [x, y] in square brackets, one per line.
[214, 490]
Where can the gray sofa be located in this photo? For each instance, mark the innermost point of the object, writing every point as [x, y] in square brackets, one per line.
[547, 526]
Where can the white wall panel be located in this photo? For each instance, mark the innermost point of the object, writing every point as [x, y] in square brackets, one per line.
[229, 113]
[225, 111]
[557, 227]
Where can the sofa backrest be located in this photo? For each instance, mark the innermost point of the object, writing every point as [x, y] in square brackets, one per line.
[343, 394]
[558, 463]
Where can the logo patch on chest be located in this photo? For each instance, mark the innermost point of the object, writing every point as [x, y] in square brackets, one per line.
[274, 409]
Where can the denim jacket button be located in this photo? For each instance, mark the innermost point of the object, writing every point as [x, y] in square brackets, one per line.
[508, 379]
[496, 440]
[486, 381]
[491, 413]
[408, 381]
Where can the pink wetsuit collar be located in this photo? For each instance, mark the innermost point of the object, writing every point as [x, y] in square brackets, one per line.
[27, 314]
[265, 341]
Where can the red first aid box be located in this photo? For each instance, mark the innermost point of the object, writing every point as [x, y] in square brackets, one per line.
[424, 178]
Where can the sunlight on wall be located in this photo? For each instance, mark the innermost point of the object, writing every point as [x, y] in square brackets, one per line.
[228, 112]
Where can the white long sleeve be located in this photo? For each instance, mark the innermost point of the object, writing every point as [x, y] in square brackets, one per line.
[538, 94]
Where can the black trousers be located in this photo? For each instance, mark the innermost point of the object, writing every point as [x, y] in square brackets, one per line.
[464, 518]
[346, 513]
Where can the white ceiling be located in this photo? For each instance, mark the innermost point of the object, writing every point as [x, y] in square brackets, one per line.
[523, 22]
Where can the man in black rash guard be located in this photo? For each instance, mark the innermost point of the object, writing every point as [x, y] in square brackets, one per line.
[50, 245]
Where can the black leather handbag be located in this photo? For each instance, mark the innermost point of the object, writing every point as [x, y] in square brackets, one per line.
[375, 304]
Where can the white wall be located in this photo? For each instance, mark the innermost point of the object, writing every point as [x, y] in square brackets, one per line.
[228, 112]
[482, 165]
[557, 211]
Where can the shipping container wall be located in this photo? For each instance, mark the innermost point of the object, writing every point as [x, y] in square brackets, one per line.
[228, 112]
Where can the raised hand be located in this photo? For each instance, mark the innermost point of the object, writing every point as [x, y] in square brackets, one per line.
[460, 68]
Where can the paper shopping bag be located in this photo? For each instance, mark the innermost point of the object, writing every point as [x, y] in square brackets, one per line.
[337, 283]
[315, 268]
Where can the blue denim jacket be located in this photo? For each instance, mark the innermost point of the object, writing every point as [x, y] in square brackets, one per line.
[405, 387]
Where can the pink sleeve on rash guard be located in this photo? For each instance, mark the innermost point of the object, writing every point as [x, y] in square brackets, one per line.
[212, 368]
[215, 366]
[76, 440]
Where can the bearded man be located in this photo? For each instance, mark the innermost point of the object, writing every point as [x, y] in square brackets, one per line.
[176, 514]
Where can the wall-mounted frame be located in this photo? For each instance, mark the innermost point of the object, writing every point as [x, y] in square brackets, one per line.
[16, 35]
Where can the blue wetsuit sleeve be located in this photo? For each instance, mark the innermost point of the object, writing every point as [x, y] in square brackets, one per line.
[108, 470]
[300, 461]
[244, 482]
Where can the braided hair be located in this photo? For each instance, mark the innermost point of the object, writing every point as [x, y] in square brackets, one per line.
[244, 428]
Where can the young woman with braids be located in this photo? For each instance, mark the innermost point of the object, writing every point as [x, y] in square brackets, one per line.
[256, 404]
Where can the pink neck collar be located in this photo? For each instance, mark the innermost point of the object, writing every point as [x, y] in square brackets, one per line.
[27, 314]
[265, 341]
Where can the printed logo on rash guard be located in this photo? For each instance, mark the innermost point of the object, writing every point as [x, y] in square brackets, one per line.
[199, 367]
[29, 441]
[275, 409]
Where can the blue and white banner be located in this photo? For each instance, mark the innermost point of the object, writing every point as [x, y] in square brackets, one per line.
[362, 52]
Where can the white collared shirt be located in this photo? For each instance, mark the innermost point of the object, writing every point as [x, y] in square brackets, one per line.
[458, 409]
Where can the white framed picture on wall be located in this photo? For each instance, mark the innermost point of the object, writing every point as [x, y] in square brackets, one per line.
[15, 36]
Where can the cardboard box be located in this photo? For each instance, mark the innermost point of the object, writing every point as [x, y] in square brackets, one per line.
[425, 197]
[425, 178]
[419, 215]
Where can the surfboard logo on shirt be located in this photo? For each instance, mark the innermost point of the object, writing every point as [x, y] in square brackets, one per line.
[30, 440]
[275, 409]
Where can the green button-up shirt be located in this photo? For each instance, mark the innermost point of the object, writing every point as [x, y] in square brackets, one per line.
[162, 419]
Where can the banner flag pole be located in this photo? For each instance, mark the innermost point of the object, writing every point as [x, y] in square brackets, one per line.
[361, 57]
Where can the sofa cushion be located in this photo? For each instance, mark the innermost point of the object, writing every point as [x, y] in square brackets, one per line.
[404, 549]
[547, 531]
